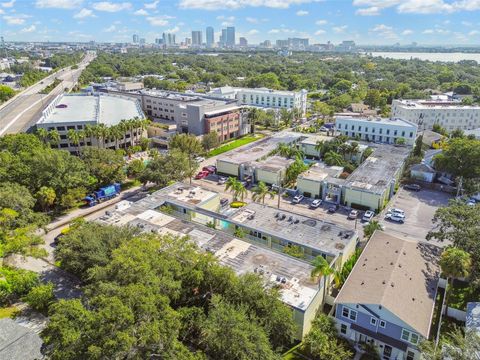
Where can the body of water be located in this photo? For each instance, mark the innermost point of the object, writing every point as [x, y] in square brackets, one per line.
[445, 57]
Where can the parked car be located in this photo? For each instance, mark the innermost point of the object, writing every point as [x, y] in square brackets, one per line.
[471, 202]
[333, 209]
[199, 159]
[202, 174]
[395, 217]
[275, 187]
[210, 168]
[297, 199]
[368, 216]
[414, 187]
[323, 128]
[353, 214]
[315, 203]
[396, 211]
[224, 202]
[222, 180]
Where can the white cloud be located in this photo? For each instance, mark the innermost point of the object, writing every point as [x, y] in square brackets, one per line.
[370, 11]
[58, 4]
[437, 30]
[8, 4]
[18, 19]
[417, 6]
[473, 33]
[110, 28]
[385, 31]
[227, 20]
[2, 12]
[302, 13]
[274, 31]
[238, 4]
[340, 29]
[428, 31]
[141, 12]
[425, 7]
[173, 30]
[28, 29]
[381, 28]
[159, 20]
[84, 13]
[252, 20]
[111, 6]
[407, 32]
[321, 22]
[152, 5]
[467, 23]
[320, 32]
[253, 32]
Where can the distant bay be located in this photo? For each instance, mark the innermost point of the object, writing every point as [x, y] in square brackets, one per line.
[445, 57]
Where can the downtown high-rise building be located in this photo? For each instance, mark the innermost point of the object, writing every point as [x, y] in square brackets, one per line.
[223, 37]
[168, 39]
[230, 40]
[136, 39]
[210, 36]
[196, 38]
[243, 41]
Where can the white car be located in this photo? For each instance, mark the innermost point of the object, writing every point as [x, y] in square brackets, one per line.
[315, 203]
[222, 180]
[396, 211]
[199, 159]
[395, 217]
[298, 199]
[369, 214]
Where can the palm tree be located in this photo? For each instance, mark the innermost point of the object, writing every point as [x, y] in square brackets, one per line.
[261, 191]
[102, 133]
[74, 138]
[253, 117]
[42, 135]
[333, 159]
[455, 263]
[123, 125]
[54, 136]
[370, 228]
[321, 267]
[236, 187]
[319, 146]
[89, 132]
[283, 149]
[116, 133]
[286, 116]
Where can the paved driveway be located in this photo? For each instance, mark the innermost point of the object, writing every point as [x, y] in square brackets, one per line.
[419, 210]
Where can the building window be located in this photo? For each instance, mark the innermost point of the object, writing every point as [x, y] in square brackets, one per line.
[388, 131]
[380, 131]
[349, 314]
[373, 321]
[383, 324]
[411, 134]
[409, 336]
[353, 127]
[410, 355]
[343, 329]
[359, 128]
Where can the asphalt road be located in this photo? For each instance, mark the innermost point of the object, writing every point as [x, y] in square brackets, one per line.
[23, 111]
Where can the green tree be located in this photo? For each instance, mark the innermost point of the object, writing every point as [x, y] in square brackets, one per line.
[164, 169]
[54, 137]
[370, 228]
[454, 263]
[418, 149]
[6, 92]
[106, 165]
[72, 197]
[135, 167]
[40, 297]
[74, 138]
[261, 191]
[295, 169]
[189, 145]
[333, 159]
[46, 197]
[321, 268]
[322, 341]
[236, 187]
[210, 140]
[42, 135]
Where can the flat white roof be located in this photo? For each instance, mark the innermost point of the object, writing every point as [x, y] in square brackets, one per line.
[99, 108]
[377, 120]
[434, 104]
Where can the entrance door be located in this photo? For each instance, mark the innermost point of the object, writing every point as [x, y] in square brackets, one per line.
[387, 352]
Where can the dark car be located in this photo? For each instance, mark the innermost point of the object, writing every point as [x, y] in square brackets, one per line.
[332, 209]
[414, 187]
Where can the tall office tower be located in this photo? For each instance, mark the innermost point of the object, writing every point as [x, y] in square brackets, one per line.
[188, 41]
[210, 36]
[231, 36]
[136, 38]
[171, 39]
[164, 38]
[223, 38]
[142, 41]
[196, 38]
[242, 41]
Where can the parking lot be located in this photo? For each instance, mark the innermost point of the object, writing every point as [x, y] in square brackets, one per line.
[419, 210]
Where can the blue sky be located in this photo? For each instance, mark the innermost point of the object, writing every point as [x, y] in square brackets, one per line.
[435, 22]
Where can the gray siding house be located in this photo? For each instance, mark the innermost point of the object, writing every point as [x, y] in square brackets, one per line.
[388, 299]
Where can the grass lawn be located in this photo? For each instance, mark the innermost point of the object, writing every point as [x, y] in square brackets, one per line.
[235, 144]
[461, 294]
[8, 312]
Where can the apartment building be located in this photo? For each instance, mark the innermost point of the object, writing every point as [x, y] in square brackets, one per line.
[377, 129]
[74, 112]
[195, 114]
[388, 300]
[448, 113]
[265, 98]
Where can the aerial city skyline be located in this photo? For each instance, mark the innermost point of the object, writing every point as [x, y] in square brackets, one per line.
[430, 22]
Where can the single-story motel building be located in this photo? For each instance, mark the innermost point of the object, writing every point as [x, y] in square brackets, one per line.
[370, 186]
[248, 239]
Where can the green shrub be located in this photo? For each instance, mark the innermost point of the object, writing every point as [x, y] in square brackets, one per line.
[40, 297]
[237, 204]
[15, 283]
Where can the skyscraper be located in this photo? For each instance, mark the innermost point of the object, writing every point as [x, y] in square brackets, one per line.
[242, 41]
[196, 38]
[135, 38]
[230, 36]
[223, 37]
[210, 36]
